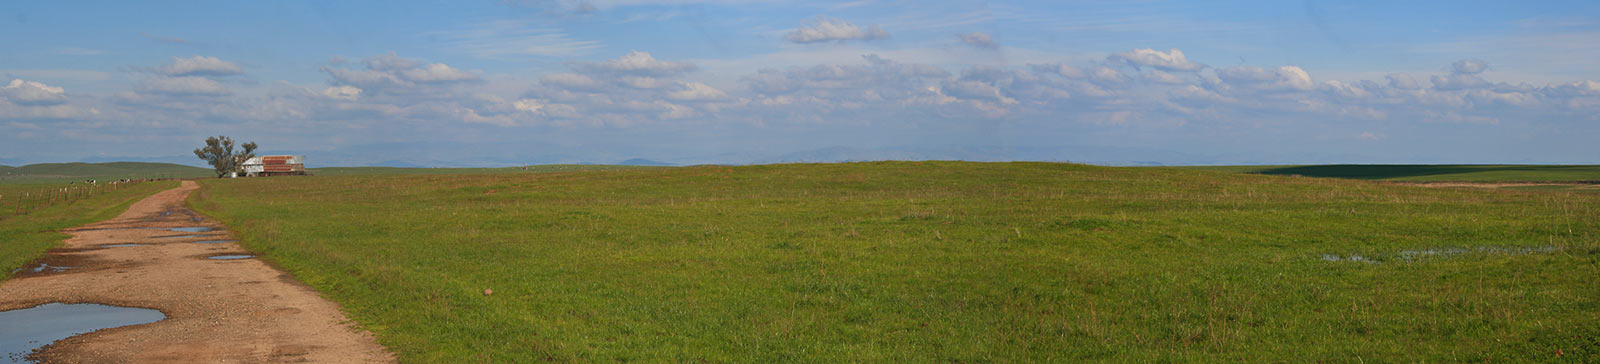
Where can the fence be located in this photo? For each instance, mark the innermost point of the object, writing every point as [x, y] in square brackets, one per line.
[23, 200]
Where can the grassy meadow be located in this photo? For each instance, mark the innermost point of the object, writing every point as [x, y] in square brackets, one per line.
[27, 236]
[934, 262]
[362, 171]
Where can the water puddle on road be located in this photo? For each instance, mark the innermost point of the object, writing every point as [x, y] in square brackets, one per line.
[230, 257]
[186, 236]
[196, 229]
[214, 241]
[123, 245]
[43, 267]
[29, 329]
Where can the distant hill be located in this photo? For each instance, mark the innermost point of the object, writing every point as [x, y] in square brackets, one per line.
[644, 162]
[1431, 172]
[46, 172]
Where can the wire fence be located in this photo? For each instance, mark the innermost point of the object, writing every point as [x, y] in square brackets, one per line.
[23, 200]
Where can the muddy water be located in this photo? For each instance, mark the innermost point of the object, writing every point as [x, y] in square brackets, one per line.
[22, 331]
[215, 241]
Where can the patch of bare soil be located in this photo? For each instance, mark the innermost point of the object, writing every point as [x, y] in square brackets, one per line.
[218, 311]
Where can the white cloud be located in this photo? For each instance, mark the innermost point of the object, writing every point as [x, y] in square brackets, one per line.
[1403, 81]
[638, 63]
[832, 30]
[1171, 60]
[198, 66]
[695, 91]
[342, 92]
[979, 40]
[1458, 81]
[1469, 66]
[183, 86]
[1285, 78]
[1164, 78]
[570, 81]
[1370, 136]
[32, 93]
[437, 72]
[391, 74]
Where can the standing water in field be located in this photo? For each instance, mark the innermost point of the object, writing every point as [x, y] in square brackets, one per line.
[29, 329]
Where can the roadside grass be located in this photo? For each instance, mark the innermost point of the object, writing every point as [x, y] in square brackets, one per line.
[933, 262]
[26, 237]
[1430, 172]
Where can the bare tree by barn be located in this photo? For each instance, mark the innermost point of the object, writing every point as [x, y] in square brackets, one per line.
[220, 154]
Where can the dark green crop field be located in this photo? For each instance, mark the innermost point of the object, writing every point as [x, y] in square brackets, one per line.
[934, 262]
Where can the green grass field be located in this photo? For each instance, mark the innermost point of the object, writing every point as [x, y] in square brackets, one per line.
[364, 171]
[28, 236]
[1430, 172]
[64, 172]
[934, 262]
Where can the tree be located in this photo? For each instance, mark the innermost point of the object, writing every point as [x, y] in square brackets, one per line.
[220, 154]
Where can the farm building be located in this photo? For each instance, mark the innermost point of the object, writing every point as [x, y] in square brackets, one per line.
[275, 165]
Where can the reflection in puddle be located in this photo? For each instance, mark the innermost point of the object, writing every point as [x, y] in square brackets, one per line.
[230, 257]
[31, 328]
[214, 241]
[186, 236]
[196, 229]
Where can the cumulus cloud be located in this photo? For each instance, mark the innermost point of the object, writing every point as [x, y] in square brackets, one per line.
[342, 92]
[695, 91]
[833, 30]
[1403, 81]
[1285, 78]
[393, 74]
[32, 93]
[198, 66]
[183, 86]
[979, 40]
[1469, 66]
[1458, 81]
[639, 64]
[1171, 60]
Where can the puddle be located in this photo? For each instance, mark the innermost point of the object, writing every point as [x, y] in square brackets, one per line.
[196, 229]
[32, 328]
[186, 236]
[123, 245]
[230, 257]
[214, 241]
[43, 267]
[1347, 258]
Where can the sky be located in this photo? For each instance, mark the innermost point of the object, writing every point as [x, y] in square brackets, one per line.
[499, 83]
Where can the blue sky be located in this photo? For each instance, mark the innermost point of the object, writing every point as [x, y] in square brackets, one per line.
[464, 83]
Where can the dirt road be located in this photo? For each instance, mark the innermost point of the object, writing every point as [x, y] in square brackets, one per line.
[218, 311]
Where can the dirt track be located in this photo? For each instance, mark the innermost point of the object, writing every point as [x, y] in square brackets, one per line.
[218, 311]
